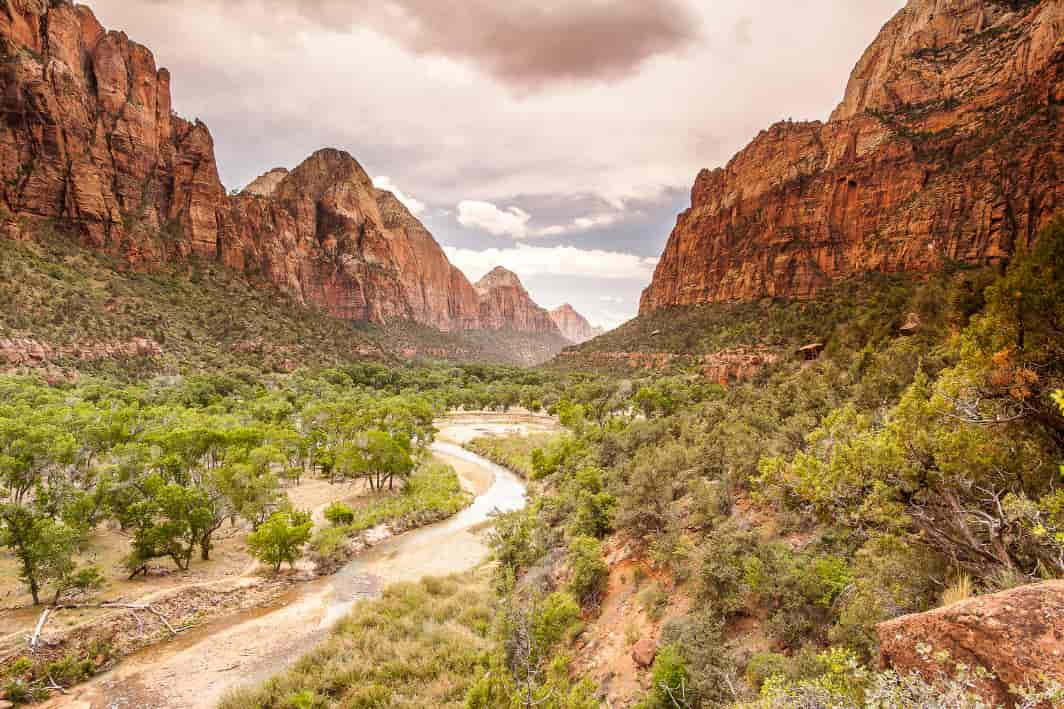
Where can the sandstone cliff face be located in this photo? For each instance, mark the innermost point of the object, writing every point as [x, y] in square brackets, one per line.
[1018, 635]
[88, 139]
[573, 325]
[505, 304]
[948, 146]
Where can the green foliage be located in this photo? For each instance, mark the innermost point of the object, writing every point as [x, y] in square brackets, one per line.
[670, 684]
[280, 540]
[339, 514]
[765, 665]
[588, 573]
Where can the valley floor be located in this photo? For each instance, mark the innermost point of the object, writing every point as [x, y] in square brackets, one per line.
[200, 665]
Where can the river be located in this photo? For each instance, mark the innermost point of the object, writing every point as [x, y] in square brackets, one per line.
[196, 668]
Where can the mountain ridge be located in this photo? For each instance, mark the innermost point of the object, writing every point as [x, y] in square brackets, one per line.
[947, 147]
[91, 141]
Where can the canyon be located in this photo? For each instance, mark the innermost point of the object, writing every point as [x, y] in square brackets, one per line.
[90, 143]
[947, 148]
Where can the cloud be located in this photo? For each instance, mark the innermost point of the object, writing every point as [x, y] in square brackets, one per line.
[615, 299]
[525, 44]
[512, 222]
[385, 183]
[516, 222]
[530, 261]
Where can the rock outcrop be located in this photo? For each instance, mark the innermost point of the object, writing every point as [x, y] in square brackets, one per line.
[505, 304]
[89, 141]
[573, 325]
[740, 364]
[1018, 635]
[25, 351]
[947, 147]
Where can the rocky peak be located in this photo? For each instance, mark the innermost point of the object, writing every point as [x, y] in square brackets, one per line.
[505, 304]
[573, 325]
[948, 146]
[500, 277]
[266, 185]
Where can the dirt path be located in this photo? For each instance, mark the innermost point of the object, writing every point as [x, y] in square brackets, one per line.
[196, 669]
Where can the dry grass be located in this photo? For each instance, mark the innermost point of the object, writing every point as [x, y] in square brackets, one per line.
[421, 645]
[960, 590]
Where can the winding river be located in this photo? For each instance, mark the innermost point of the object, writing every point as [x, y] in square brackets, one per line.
[195, 669]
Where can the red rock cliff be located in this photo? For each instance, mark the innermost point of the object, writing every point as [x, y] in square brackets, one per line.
[573, 325]
[88, 138]
[948, 146]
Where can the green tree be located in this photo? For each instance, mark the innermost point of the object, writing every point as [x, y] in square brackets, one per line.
[280, 539]
[44, 548]
[377, 457]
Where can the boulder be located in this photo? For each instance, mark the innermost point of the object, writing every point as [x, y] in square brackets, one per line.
[1018, 635]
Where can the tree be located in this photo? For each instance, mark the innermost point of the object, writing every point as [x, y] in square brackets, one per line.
[170, 521]
[43, 546]
[280, 539]
[378, 457]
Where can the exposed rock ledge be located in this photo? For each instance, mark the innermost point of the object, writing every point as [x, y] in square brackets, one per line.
[1018, 635]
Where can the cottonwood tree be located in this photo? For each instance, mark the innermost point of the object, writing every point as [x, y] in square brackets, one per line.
[377, 457]
[281, 538]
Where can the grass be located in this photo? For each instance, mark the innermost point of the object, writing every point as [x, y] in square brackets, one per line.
[512, 452]
[433, 493]
[420, 645]
[961, 590]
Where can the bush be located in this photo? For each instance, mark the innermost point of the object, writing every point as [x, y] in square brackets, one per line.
[339, 514]
[765, 665]
[588, 573]
[671, 685]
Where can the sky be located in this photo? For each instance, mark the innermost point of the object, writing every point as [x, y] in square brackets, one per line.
[557, 138]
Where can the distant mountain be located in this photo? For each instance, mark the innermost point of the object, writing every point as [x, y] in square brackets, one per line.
[505, 304]
[573, 325]
[90, 143]
[948, 147]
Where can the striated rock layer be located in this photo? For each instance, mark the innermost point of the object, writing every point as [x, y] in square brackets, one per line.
[88, 139]
[948, 146]
[573, 325]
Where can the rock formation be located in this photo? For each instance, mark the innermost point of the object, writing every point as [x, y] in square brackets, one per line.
[90, 142]
[1018, 635]
[948, 146]
[505, 304]
[573, 325]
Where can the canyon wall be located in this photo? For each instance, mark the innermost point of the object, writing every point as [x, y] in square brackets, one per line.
[89, 142]
[947, 147]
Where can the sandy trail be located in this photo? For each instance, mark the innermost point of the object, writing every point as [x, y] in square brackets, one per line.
[197, 668]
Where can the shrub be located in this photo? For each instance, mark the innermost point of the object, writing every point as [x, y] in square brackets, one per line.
[339, 514]
[765, 665]
[588, 573]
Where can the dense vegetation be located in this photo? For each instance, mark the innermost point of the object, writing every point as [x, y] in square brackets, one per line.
[891, 475]
[902, 469]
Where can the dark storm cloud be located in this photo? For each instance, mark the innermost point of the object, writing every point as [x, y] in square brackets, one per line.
[526, 44]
